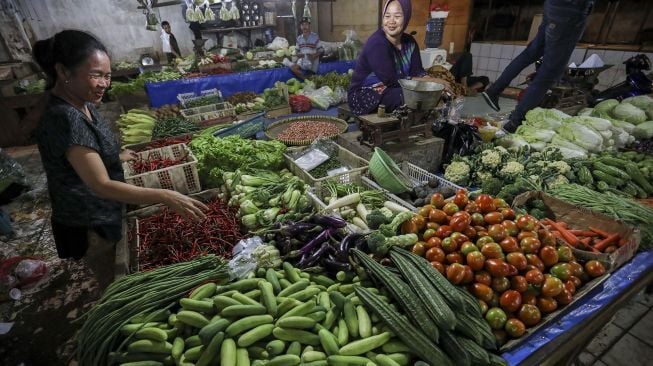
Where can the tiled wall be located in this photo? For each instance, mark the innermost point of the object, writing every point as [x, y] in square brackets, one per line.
[490, 59]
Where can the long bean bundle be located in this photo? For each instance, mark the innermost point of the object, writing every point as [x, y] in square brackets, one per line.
[610, 204]
[140, 293]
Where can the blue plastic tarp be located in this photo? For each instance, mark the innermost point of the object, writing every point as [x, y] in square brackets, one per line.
[585, 307]
[166, 92]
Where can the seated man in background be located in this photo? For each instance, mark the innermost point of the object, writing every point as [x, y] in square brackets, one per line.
[462, 68]
[308, 50]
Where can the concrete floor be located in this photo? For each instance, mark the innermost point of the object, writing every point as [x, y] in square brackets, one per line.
[44, 318]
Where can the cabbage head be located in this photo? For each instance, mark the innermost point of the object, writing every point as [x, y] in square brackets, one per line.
[640, 101]
[629, 113]
[606, 106]
[644, 130]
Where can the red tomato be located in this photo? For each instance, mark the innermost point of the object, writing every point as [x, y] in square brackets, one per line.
[527, 222]
[530, 315]
[497, 232]
[476, 260]
[434, 242]
[530, 245]
[500, 203]
[483, 305]
[534, 277]
[511, 227]
[468, 247]
[432, 225]
[454, 258]
[420, 222]
[435, 254]
[492, 251]
[496, 317]
[469, 275]
[519, 283]
[518, 260]
[461, 191]
[552, 287]
[455, 273]
[409, 227]
[483, 277]
[419, 248]
[549, 256]
[443, 231]
[428, 234]
[485, 203]
[482, 292]
[500, 284]
[437, 216]
[509, 245]
[437, 200]
[547, 305]
[439, 266]
[459, 238]
[477, 219]
[493, 218]
[565, 297]
[535, 261]
[472, 207]
[458, 224]
[449, 245]
[496, 267]
[570, 286]
[510, 301]
[482, 240]
[425, 211]
[515, 328]
[508, 213]
[565, 254]
[561, 270]
[470, 232]
[525, 234]
[594, 268]
[529, 297]
[547, 238]
[450, 208]
[576, 281]
[461, 200]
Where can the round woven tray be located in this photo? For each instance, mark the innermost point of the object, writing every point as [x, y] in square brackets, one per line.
[277, 127]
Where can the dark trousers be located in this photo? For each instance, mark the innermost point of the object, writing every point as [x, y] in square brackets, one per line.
[562, 26]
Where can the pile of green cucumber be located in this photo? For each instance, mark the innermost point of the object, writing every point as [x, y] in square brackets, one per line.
[273, 317]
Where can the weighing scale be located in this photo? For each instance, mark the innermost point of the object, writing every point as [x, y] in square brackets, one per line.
[411, 119]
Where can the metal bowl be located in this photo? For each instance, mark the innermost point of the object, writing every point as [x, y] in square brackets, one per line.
[421, 95]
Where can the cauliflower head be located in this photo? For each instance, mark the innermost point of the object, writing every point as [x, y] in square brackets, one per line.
[483, 175]
[457, 172]
[490, 159]
[511, 170]
[561, 167]
[558, 181]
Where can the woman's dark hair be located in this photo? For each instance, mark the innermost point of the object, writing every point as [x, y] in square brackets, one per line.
[69, 48]
[164, 23]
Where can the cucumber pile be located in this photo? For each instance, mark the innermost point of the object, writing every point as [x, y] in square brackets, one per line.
[273, 317]
[627, 174]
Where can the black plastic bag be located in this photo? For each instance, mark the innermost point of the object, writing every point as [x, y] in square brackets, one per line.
[459, 138]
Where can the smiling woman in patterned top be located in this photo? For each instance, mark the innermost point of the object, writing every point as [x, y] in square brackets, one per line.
[82, 158]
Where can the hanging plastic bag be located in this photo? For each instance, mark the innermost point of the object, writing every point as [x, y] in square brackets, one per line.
[251, 253]
[459, 138]
[278, 43]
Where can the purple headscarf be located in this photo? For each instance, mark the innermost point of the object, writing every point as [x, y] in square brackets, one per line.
[406, 7]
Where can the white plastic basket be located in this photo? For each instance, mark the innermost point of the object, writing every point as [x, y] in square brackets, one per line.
[188, 97]
[182, 178]
[206, 114]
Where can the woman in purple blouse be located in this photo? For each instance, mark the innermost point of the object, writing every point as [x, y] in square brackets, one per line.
[388, 55]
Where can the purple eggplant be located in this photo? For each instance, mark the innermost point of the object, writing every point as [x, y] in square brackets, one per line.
[334, 265]
[347, 243]
[308, 261]
[330, 221]
[296, 228]
[318, 240]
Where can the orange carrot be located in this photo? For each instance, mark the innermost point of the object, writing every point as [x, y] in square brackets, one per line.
[586, 241]
[601, 245]
[603, 233]
[583, 233]
[570, 238]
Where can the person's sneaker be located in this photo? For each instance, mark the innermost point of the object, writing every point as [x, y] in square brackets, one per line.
[491, 100]
[510, 127]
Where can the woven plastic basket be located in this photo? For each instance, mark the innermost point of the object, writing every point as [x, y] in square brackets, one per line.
[185, 98]
[182, 178]
[357, 167]
[386, 172]
[209, 114]
[276, 128]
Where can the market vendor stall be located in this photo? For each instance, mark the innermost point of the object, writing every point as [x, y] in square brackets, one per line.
[162, 93]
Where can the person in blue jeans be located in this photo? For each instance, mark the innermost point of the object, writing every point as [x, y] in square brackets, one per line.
[562, 26]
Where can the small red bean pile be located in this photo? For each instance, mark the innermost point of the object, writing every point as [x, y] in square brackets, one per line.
[308, 130]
